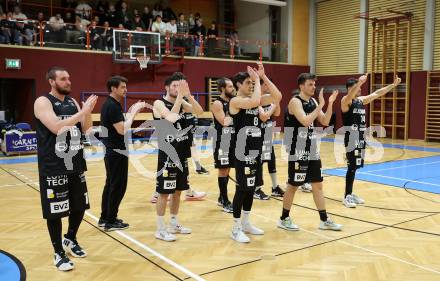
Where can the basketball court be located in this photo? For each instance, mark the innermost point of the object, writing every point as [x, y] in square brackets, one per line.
[394, 236]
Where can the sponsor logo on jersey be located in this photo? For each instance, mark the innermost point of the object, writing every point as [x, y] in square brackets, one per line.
[169, 184]
[59, 207]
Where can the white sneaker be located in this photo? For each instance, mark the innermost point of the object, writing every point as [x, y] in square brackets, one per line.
[306, 187]
[287, 224]
[192, 195]
[72, 247]
[357, 199]
[249, 228]
[238, 235]
[62, 262]
[164, 235]
[330, 225]
[349, 202]
[178, 228]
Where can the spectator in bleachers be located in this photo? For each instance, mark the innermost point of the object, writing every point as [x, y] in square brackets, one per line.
[18, 14]
[72, 33]
[10, 33]
[211, 43]
[124, 16]
[136, 13]
[83, 10]
[56, 28]
[78, 35]
[106, 37]
[199, 32]
[147, 18]
[69, 4]
[236, 41]
[191, 22]
[171, 31]
[26, 30]
[138, 25]
[159, 26]
[41, 17]
[4, 31]
[182, 32]
[98, 20]
[112, 16]
[102, 9]
[40, 22]
[102, 6]
[95, 36]
[168, 13]
[157, 11]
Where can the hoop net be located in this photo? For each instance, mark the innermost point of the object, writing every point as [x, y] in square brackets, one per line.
[143, 62]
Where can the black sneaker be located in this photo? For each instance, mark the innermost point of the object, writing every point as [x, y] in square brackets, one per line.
[102, 222]
[62, 262]
[72, 247]
[227, 207]
[117, 225]
[202, 171]
[259, 194]
[277, 191]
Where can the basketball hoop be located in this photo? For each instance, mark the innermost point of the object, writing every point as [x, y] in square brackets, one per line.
[143, 62]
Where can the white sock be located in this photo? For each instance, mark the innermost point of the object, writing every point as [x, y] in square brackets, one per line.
[245, 217]
[237, 222]
[273, 176]
[173, 220]
[160, 223]
[258, 188]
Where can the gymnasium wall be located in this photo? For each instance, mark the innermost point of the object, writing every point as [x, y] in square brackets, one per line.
[90, 70]
[337, 37]
[436, 57]
[253, 23]
[417, 31]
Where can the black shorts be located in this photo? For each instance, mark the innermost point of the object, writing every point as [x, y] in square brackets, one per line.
[63, 194]
[170, 177]
[355, 158]
[247, 174]
[224, 159]
[304, 171]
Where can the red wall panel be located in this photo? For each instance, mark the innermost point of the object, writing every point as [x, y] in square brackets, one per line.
[89, 71]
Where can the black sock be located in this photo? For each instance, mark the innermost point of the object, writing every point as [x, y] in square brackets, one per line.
[55, 228]
[223, 186]
[237, 203]
[285, 214]
[74, 222]
[349, 179]
[323, 215]
[248, 200]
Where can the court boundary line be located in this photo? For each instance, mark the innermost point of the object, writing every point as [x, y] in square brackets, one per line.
[330, 240]
[128, 237]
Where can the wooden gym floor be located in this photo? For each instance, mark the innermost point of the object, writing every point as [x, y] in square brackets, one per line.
[395, 236]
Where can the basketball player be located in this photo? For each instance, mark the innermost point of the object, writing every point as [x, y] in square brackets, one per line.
[116, 153]
[353, 115]
[301, 145]
[61, 165]
[172, 175]
[244, 110]
[224, 146]
[269, 106]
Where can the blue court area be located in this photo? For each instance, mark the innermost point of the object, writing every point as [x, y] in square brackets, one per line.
[418, 173]
[11, 268]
